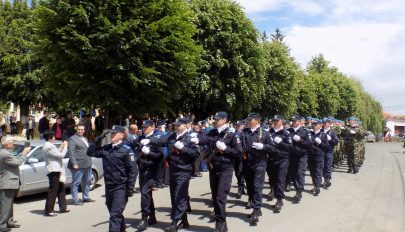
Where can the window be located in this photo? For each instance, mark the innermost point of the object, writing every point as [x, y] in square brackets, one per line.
[38, 154]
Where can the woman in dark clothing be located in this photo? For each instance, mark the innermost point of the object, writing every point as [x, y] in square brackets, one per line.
[57, 128]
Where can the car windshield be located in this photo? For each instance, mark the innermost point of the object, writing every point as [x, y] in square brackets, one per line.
[18, 148]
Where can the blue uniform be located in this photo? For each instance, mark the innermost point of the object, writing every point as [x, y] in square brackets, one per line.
[221, 170]
[238, 168]
[299, 157]
[279, 161]
[119, 175]
[328, 162]
[255, 162]
[161, 171]
[181, 165]
[317, 156]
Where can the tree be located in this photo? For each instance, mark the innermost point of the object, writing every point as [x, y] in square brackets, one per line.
[21, 73]
[277, 36]
[127, 56]
[281, 76]
[307, 103]
[231, 75]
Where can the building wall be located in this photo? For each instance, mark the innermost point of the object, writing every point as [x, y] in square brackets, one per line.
[391, 124]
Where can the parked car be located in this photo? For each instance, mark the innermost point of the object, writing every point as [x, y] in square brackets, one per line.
[370, 137]
[33, 173]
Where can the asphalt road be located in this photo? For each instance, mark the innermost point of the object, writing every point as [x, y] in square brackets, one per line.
[373, 200]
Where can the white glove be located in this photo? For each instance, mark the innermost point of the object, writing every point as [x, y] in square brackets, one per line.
[297, 138]
[258, 146]
[318, 140]
[352, 132]
[329, 138]
[179, 145]
[278, 140]
[221, 145]
[145, 141]
[195, 140]
[146, 150]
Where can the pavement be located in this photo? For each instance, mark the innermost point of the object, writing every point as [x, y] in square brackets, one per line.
[372, 200]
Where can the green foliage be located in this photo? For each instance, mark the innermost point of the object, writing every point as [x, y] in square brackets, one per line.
[231, 75]
[21, 70]
[129, 56]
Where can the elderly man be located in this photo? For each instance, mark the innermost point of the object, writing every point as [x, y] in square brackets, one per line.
[79, 165]
[9, 181]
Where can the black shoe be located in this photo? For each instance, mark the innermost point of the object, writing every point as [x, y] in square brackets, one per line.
[184, 222]
[270, 196]
[5, 230]
[221, 227]
[160, 185]
[248, 205]
[254, 217]
[315, 191]
[152, 219]
[298, 197]
[172, 227]
[327, 184]
[64, 210]
[143, 225]
[279, 204]
[88, 200]
[212, 216]
[350, 170]
[355, 171]
[14, 226]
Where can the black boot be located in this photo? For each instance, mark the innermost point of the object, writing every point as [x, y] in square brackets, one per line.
[143, 225]
[298, 197]
[327, 184]
[350, 170]
[249, 205]
[172, 227]
[288, 187]
[279, 204]
[188, 206]
[212, 216]
[221, 226]
[152, 219]
[259, 213]
[254, 217]
[184, 222]
[241, 191]
[315, 191]
[270, 196]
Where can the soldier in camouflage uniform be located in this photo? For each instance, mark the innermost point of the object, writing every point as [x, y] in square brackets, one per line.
[353, 138]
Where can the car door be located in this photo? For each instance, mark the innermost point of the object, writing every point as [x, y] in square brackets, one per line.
[35, 176]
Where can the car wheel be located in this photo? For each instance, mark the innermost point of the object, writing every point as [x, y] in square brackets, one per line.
[94, 179]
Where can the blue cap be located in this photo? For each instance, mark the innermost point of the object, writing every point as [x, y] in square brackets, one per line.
[277, 118]
[296, 118]
[326, 120]
[118, 129]
[161, 123]
[253, 116]
[180, 121]
[316, 121]
[240, 122]
[220, 115]
[147, 123]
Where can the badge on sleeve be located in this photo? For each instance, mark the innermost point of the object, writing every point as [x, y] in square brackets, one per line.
[132, 156]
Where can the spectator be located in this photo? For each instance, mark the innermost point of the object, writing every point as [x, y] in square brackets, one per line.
[56, 175]
[128, 121]
[3, 126]
[29, 126]
[88, 127]
[133, 132]
[80, 165]
[9, 181]
[57, 128]
[13, 124]
[69, 125]
[43, 124]
[99, 123]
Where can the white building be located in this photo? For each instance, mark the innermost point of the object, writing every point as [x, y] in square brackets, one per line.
[396, 124]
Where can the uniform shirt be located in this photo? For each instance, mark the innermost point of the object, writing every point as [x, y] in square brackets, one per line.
[319, 149]
[284, 148]
[233, 151]
[118, 163]
[257, 135]
[155, 156]
[304, 145]
[179, 159]
[334, 139]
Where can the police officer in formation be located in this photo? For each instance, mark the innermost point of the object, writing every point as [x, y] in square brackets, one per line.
[238, 167]
[224, 148]
[302, 145]
[257, 144]
[328, 161]
[317, 155]
[279, 159]
[119, 175]
[149, 161]
[182, 153]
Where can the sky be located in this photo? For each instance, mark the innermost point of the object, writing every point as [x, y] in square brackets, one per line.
[362, 38]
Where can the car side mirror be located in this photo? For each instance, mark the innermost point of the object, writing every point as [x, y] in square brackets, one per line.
[33, 161]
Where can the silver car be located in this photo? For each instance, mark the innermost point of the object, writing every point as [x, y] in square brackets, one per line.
[33, 173]
[370, 137]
